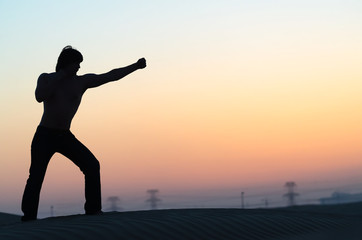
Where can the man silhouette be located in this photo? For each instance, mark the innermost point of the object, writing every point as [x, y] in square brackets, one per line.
[61, 93]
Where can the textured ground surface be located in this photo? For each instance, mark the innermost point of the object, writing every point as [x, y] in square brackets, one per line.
[305, 222]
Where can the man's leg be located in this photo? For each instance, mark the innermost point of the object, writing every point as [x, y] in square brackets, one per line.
[41, 152]
[80, 155]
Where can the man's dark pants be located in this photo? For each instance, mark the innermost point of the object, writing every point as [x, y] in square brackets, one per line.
[45, 143]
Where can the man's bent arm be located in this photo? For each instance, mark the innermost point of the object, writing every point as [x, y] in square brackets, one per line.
[95, 80]
[46, 85]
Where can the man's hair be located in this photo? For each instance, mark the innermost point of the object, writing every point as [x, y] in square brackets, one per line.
[68, 56]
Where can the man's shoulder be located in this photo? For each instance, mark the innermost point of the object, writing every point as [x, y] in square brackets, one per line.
[86, 76]
[46, 75]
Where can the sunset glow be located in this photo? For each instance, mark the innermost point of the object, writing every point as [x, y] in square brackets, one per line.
[236, 93]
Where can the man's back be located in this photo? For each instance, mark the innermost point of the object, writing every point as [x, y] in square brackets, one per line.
[61, 106]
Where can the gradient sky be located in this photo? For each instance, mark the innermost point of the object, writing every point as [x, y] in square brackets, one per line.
[236, 93]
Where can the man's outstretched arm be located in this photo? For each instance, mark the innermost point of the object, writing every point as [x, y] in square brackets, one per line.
[95, 80]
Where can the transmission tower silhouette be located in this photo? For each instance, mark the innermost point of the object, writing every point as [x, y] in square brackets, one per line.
[114, 200]
[290, 195]
[153, 200]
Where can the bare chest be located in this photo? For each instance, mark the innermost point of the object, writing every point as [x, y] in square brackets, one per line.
[68, 94]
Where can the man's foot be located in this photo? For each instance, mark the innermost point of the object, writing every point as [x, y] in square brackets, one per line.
[27, 219]
[99, 212]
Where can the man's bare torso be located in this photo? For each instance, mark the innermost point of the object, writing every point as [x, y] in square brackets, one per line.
[61, 92]
[61, 107]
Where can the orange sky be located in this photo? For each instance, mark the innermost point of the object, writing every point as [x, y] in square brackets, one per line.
[235, 94]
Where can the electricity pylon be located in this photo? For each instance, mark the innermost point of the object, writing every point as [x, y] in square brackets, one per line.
[153, 200]
[290, 195]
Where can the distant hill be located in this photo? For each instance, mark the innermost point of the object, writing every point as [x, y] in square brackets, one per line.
[346, 209]
[340, 197]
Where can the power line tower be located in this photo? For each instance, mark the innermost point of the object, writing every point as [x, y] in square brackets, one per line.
[265, 202]
[242, 200]
[114, 200]
[291, 195]
[153, 200]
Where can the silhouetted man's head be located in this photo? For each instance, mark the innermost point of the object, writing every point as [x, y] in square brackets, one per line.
[69, 58]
